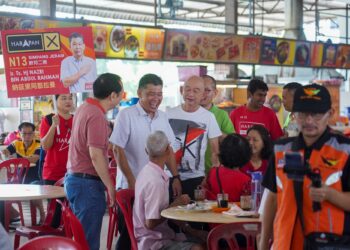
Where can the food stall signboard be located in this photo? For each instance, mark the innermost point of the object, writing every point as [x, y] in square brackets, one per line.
[48, 61]
[285, 52]
[128, 42]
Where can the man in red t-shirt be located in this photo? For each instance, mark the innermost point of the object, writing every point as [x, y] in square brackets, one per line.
[254, 112]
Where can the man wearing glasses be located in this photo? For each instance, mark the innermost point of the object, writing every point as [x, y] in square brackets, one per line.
[289, 203]
[26, 147]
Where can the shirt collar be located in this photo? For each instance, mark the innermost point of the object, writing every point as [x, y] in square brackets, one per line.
[142, 112]
[299, 142]
[95, 102]
[157, 168]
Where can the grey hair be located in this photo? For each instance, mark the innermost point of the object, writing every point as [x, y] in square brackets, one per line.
[156, 144]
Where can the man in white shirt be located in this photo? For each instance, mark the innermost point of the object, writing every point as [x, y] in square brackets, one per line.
[194, 127]
[130, 132]
[78, 72]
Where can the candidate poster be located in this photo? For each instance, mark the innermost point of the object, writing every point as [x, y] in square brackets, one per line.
[48, 61]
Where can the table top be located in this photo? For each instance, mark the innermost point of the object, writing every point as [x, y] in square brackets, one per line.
[206, 217]
[29, 192]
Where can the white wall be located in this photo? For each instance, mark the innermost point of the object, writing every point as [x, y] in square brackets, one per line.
[11, 118]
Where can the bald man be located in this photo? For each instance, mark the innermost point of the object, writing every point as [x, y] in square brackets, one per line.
[194, 127]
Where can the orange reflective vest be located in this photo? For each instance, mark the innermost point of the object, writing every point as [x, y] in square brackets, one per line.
[331, 158]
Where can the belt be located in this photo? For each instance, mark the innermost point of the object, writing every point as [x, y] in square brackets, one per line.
[85, 176]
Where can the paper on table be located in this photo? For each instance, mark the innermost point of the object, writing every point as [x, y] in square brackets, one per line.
[239, 212]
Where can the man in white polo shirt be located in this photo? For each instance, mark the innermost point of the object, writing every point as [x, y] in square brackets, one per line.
[152, 196]
[131, 129]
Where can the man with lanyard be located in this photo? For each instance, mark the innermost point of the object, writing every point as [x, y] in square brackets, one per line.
[323, 151]
[221, 116]
[87, 175]
[130, 132]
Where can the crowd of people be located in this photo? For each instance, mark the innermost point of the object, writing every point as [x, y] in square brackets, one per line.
[166, 156]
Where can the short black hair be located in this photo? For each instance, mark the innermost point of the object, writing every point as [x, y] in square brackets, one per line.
[213, 81]
[106, 84]
[292, 86]
[26, 125]
[256, 84]
[235, 151]
[265, 136]
[75, 35]
[150, 79]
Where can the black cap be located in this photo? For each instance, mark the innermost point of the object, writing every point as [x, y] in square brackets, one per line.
[313, 98]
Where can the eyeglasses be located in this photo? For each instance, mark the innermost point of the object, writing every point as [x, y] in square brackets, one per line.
[314, 116]
[27, 133]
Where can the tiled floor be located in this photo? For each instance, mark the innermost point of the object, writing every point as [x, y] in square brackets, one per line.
[103, 239]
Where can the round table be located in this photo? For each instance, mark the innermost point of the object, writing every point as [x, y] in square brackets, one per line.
[24, 192]
[206, 217]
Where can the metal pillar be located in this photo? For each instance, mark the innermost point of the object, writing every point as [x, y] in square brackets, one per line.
[294, 19]
[48, 8]
[231, 20]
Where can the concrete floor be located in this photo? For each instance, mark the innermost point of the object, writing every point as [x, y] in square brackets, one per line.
[103, 239]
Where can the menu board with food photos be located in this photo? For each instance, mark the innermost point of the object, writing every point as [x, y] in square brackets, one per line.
[302, 53]
[343, 57]
[207, 47]
[285, 52]
[329, 54]
[268, 51]
[316, 54]
[128, 42]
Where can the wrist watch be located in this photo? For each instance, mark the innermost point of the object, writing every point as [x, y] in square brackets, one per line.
[177, 177]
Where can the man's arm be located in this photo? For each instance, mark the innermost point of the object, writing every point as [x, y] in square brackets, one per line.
[268, 217]
[101, 166]
[71, 80]
[124, 166]
[325, 193]
[33, 158]
[171, 164]
[180, 200]
[214, 145]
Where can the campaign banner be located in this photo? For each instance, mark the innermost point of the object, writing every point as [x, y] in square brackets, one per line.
[48, 61]
[127, 42]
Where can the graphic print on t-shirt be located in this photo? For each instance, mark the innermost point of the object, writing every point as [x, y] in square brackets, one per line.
[245, 125]
[63, 142]
[189, 136]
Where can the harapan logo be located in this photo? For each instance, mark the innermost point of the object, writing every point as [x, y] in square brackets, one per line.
[33, 42]
[311, 93]
[329, 162]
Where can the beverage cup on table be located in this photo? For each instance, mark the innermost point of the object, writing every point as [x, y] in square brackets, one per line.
[199, 194]
[246, 202]
[222, 200]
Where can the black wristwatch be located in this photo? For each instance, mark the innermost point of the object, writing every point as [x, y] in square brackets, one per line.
[176, 177]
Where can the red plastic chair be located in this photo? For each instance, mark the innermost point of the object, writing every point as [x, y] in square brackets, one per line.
[228, 232]
[125, 199]
[60, 183]
[44, 229]
[16, 171]
[52, 243]
[72, 226]
[112, 223]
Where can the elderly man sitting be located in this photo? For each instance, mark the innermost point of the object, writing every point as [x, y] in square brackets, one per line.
[151, 197]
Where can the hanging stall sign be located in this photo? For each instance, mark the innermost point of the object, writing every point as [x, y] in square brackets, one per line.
[128, 42]
[316, 54]
[285, 52]
[343, 57]
[329, 54]
[302, 54]
[268, 51]
[48, 61]
[177, 45]
[251, 50]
